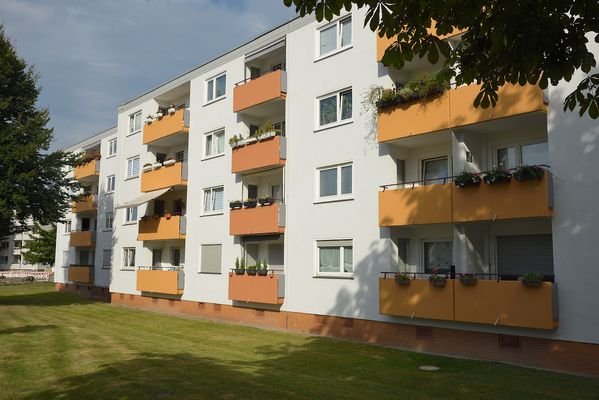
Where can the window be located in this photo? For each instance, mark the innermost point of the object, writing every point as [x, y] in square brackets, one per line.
[335, 182]
[4, 244]
[131, 214]
[110, 183]
[18, 244]
[67, 227]
[336, 36]
[106, 258]
[180, 156]
[335, 108]
[128, 257]
[112, 147]
[3, 259]
[216, 87]
[523, 154]
[438, 254]
[66, 255]
[520, 254]
[214, 143]
[156, 257]
[176, 257]
[16, 259]
[435, 170]
[108, 220]
[213, 200]
[133, 167]
[335, 257]
[134, 122]
[211, 261]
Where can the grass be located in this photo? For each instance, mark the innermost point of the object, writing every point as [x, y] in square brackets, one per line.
[58, 346]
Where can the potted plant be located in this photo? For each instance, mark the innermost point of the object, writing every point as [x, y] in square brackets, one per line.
[529, 173]
[147, 167]
[171, 109]
[264, 270]
[265, 200]
[239, 267]
[466, 178]
[251, 270]
[497, 175]
[235, 204]
[436, 279]
[250, 203]
[402, 278]
[167, 215]
[531, 279]
[468, 279]
[159, 113]
[149, 119]
[168, 162]
[235, 141]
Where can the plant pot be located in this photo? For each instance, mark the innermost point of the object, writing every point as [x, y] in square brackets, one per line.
[250, 204]
[439, 282]
[168, 163]
[234, 205]
[167, 216]
[159, 115]
[266, 201]
[402, 282]
[531, 283]
[239, 271]
[156, 165]
[263, 272]
[497, 179]
[172, 110]
[470, 281]
[251, 272]
[529, 173]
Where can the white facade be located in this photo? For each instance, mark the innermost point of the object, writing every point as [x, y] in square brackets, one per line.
[12, 248]
[350, 218]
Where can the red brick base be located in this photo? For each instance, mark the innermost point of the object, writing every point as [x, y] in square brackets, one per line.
[564, 356]
[87, 291]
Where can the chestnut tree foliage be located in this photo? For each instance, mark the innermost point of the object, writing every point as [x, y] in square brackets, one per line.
[505, 41]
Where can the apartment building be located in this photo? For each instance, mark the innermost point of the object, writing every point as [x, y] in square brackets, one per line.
[270, 154]
[13, 247]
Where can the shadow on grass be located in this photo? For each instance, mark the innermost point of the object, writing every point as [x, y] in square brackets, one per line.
[46, 298]
[26, 329]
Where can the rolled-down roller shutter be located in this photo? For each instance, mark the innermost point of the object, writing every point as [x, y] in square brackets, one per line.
[520, 254]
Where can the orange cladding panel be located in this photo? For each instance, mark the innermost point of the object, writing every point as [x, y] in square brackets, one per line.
[81, 273]
[165, 126]
[259, 220]
[257, 91]
[255, 289]
[505, 303]
[160, 228]
[82, 239]
[429, 204]
[383, 42]
[257, 155]
[163, 177]
[85, 204]
[86, 170]
[419, 299]
[163, 282]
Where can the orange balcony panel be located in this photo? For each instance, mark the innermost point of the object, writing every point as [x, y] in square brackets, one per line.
[160, 282]
[85, 204]
[419, 299]
[265, 154]
[87, 170]
[166, 126]
[161, 228]
[272, 86]
[513, 100]
[82, 239]
[415, 118]
[257, 289]
[259, 220]
[164, 177]
[506, 303]
[429, 204]
[81, 274]
[506, 200]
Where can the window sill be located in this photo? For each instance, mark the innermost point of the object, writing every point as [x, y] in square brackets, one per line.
[109, 192]
[334, 125]
[111, 156]
[133, 133]
[127, 269]
[212, 157]
[130, 223]
[130, 178]
[209, 273]
[210, 214]
[215, 100]
[106, 230]
[333, 200]
[107, 268]
[333, 276]
[333, 53]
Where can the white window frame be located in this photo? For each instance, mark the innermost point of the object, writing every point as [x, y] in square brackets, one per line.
[318, 244]
[338, 34]
[422, 267]
[517, 145]
[214, 146]
[104, 252]
[213, 80]
[130, 215]
[131, 159]
[112, 147]
[109, 216]
[338, 196]
[338, 121]
[131, 124]
[211, 190]
[111, 179]
[421, 162]
[67, 227]
[126, 256]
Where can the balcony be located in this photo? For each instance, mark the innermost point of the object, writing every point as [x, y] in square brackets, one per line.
[82, 239]
[259, 155]
[151, 281]
[489, 302]
[162, 228]
[259, 220]
[418, 205]
[268, 289]
[85, 204]
[81, 274]
[167, 127]
[164, 177]
[454, 109]
[266, 88]
[88, 171]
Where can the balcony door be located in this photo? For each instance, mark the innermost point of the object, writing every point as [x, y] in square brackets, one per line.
[159, 207]
[85, 224]
[275, 256]
[435, 170]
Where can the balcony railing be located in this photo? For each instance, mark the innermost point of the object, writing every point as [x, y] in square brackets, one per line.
[167, 126]
[87, 171]
[259, 220]
[82, 238]
[81, 274]
[259, 155]
[156, 280]
[85, 203]
[162, 228]
[164, 176]
[269, 289]
[268, 87]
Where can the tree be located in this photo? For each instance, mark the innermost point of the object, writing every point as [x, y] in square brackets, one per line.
[31, 178]
[506, 41]
[40, 250]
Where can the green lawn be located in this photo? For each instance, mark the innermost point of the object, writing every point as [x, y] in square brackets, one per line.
[57, 346]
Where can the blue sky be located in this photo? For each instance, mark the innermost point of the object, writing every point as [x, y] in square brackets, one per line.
[92, 55]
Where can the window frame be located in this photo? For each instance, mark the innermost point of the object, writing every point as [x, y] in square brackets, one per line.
[131, 123]
[338, 196]
[109, 216]
[341, 274]
[207, 84]
[337, 23]
[129, 214]
[339, 109]
[205, 144]
[109, 179]
[422, 268]
[112, 150]
[124, 263]
[212, 198]
[104, 265]
[422, 163]
[517, 145]
[131, 159]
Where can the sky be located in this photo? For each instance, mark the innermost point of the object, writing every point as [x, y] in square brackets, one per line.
[93, 55]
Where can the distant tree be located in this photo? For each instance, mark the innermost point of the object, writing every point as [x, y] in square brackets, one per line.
[31, 179]
[40, 249]
[515, 41]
